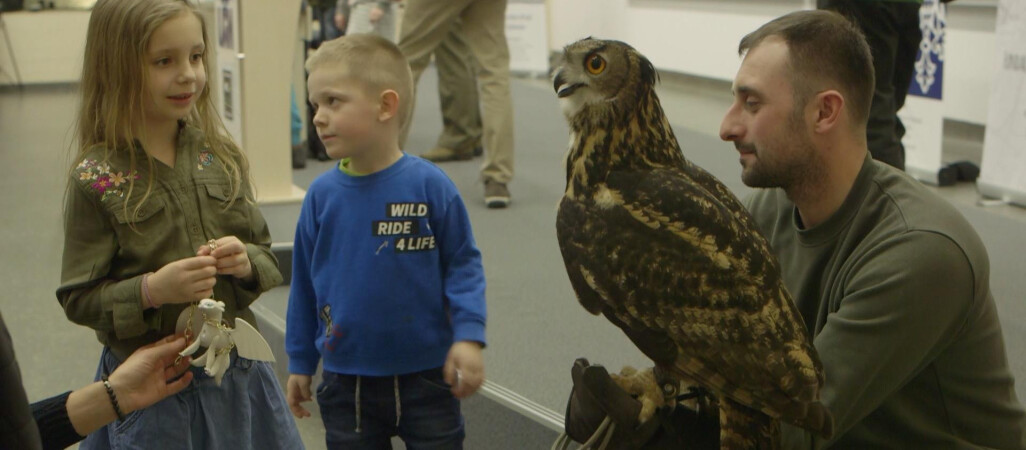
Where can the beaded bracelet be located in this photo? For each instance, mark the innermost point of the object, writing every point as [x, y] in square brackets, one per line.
[113, 398]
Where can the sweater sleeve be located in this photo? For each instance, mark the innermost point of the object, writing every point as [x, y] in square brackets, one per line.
[463, 274]
[905, 301]
[16, 427]
[89, 297]
[55, 427]
[301, 317]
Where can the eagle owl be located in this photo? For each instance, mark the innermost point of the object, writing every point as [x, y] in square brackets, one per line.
[666, 252]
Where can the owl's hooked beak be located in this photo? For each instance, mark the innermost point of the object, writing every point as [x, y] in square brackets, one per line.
[560, 86]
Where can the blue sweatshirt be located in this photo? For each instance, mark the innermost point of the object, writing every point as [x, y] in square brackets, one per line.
[385, 273]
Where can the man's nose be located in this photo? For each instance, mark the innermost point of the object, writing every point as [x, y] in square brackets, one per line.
[730, 127]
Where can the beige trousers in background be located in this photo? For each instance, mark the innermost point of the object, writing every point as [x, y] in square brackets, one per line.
[457, 93]
[426, 23]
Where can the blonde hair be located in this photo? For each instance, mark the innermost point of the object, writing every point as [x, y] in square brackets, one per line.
[114, 87]
[372, 60]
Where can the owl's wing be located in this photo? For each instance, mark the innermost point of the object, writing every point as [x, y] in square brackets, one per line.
[250, 344]
[667, 260]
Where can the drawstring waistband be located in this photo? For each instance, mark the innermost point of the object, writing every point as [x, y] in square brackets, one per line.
[358, 404]
[398, 407]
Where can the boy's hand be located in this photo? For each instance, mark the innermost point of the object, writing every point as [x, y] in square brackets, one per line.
[298, 391]
[464, 368]
[231, 255]
[183, 281]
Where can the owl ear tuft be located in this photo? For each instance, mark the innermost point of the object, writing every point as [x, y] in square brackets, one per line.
[648, 72]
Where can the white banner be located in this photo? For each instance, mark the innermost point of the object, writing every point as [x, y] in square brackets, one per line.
[527, 37]
[922, 114]
[228, 72]
[1003, 171]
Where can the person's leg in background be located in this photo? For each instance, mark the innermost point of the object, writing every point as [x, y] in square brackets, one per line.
[885, 25]
[485, 33]
[296, 123]
[457, 92]
[425, 24]
[909, 37]
[329, 30]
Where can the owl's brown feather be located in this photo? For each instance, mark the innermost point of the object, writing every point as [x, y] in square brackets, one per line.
[663, 250]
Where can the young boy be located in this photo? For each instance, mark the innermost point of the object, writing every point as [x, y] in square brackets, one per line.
[387, 285]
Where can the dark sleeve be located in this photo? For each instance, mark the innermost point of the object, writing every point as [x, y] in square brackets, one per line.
[16, 427]
[55, 427]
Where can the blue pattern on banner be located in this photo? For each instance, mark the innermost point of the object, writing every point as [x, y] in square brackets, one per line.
[928, 80]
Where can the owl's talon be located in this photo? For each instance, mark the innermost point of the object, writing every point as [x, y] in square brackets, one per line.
[642, 386]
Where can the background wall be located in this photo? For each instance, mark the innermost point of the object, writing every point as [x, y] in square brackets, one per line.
[700, 37]
[696, 37]
[47, 46]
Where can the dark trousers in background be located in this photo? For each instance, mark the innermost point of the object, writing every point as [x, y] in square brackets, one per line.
[892, 31]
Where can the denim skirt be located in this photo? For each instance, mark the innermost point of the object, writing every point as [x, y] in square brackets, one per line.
[247, 411]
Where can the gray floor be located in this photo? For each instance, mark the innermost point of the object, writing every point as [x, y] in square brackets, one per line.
[536, 328]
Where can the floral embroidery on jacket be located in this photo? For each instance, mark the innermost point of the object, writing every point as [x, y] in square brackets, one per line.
[205, 159]
[103, 180]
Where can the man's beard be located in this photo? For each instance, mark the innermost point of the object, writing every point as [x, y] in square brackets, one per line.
[773, 168]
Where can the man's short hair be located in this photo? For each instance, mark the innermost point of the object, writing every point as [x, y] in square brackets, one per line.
[827, 51]
[372, 60]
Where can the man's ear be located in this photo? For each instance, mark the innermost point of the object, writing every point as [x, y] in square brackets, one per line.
[389, 105]
[829, 110]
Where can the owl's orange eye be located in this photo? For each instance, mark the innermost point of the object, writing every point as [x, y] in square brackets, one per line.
[595, 64]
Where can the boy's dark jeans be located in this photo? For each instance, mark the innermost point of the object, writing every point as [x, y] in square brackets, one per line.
[429, 416]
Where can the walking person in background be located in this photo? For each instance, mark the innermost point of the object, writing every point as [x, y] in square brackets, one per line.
[426, 23]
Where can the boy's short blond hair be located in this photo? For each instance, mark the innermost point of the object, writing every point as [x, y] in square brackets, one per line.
[374, 61]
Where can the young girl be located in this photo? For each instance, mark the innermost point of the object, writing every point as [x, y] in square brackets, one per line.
[159, 215]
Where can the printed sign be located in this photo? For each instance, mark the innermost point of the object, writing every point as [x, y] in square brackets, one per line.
[1004, 144]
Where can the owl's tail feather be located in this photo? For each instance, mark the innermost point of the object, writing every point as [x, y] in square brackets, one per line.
[817, 420]
[742, 427]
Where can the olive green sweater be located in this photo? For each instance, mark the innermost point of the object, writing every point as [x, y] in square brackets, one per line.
[895, 290]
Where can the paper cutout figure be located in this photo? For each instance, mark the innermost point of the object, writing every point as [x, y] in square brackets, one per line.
[214, 334]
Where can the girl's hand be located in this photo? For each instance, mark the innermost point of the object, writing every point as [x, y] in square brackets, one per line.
[231, 255]
[184, 281]
[464, 368]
